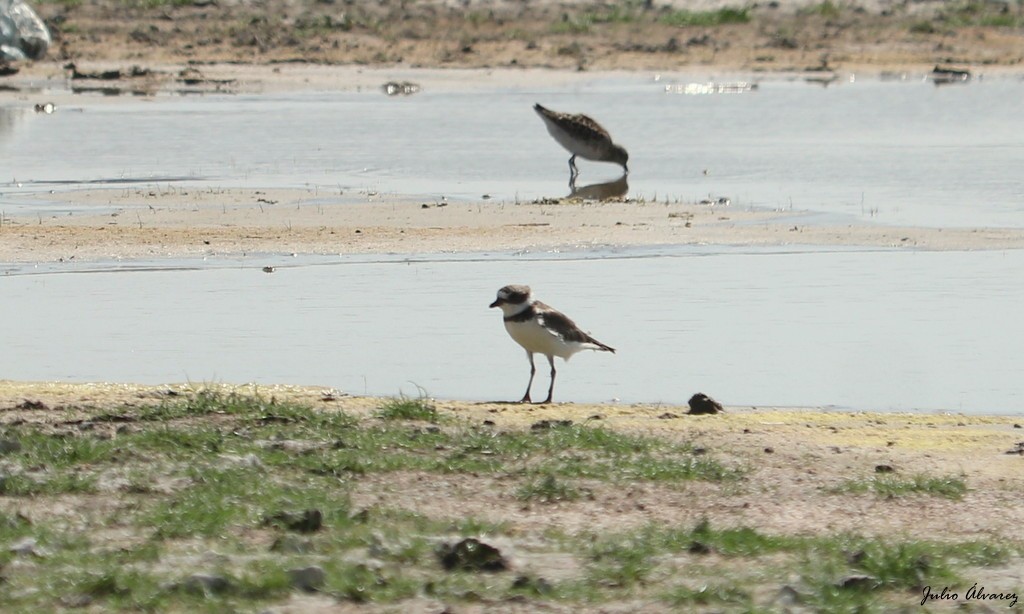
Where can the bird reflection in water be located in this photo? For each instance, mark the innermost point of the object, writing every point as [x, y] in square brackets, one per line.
[600, 191]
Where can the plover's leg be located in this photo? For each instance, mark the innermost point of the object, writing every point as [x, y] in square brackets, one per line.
[533, 369]
[551, 388]
[573, 172]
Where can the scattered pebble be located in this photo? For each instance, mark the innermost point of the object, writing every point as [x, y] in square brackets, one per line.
[205, 584]
[27, 546]
[309, 579]
[539, 586]
[292, 544]
[884, 469]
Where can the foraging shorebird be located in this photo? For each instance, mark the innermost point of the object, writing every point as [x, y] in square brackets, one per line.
[542, 330]
[584, 137]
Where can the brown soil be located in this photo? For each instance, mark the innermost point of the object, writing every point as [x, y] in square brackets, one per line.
[796, 457]
[779, 36]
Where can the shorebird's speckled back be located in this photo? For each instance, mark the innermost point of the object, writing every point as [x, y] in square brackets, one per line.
[582, 136]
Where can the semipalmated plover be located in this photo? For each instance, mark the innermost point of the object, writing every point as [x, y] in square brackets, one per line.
[541, 329]
[582, 136]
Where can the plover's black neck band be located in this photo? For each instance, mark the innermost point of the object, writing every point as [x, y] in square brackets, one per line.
[522, 316]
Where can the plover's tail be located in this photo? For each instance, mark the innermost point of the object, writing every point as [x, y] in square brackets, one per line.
[598, 346]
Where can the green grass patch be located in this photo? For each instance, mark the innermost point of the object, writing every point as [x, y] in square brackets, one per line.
[983, 13]
[685, 18]
[949, 487]
[406, 408]
[827, 9]
[267, 486]
[547, 489]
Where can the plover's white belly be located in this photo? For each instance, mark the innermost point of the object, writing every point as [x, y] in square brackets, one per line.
[535, 338]
[586, 148]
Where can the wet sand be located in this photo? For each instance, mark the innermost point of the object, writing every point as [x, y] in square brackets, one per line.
[188, 222]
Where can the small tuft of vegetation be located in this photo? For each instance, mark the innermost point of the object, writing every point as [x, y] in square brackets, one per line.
[950, 487]
[406, 408]
[547, 489]
[685, 18]
[827, 9]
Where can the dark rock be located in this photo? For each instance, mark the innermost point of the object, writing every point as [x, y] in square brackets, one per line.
[471, 554]
[308, 521]
[884, 469]
[858, 582]
[701, 404]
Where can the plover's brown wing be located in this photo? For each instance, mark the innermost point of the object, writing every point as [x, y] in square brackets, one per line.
[560, 324]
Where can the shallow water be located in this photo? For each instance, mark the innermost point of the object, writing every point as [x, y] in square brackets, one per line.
[884, 330]
[888, 152]
[856, 329]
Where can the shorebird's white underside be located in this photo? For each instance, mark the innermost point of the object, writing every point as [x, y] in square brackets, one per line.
[535, 338]
[585, 149]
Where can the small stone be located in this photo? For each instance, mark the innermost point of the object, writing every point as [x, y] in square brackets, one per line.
[78, 600]
[471, 554]
[205, 584]
[309, 521]
[26, 546]
[538, 586]
[291, 544]
[884, 469]
[309, 579]
[859, 582]
[769, 450]
[702, 404]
